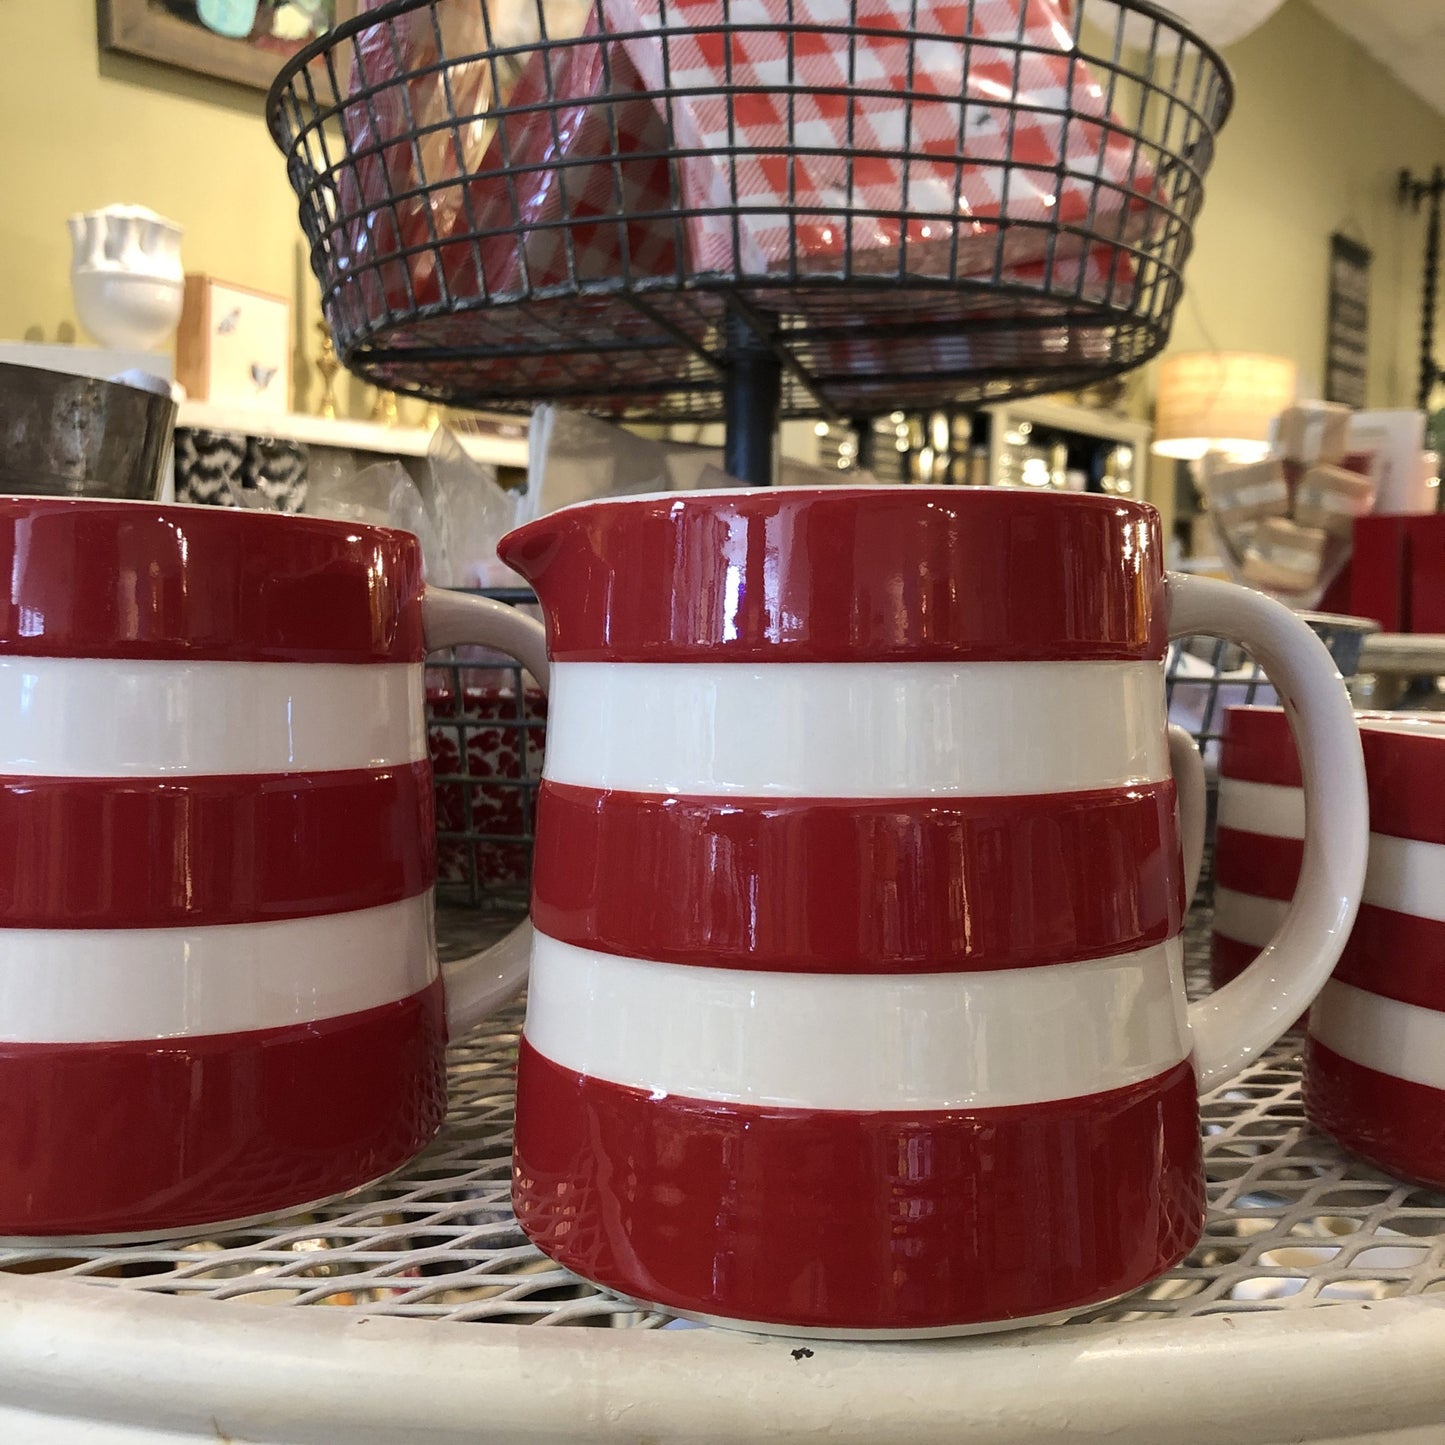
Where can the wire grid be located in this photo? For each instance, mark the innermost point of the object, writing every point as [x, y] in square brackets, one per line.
[486, 727]
[1293, 1221]
[904, 201]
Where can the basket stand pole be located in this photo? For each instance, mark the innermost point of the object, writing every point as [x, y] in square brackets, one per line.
[752, 395]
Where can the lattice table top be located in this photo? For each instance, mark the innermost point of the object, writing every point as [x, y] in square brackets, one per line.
[1294, 1222]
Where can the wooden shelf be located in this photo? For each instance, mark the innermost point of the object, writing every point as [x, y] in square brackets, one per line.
[357, 436]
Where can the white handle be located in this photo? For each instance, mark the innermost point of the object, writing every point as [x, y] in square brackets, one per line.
[484, 981]
[1191, 800]
[1236, 1024]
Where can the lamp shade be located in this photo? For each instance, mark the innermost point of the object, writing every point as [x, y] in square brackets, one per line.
[1220, 401]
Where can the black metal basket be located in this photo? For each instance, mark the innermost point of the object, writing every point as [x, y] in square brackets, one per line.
[685, 208]
[486, 729]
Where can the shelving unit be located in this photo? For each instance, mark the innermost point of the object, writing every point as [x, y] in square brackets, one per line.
[342, 434]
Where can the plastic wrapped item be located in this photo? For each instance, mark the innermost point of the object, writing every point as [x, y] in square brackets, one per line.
[1104, 274]
[1283, 556]
[1331, 498]
[576, 458]
[1239, 495]
[829, 104]
[419, 125]
[471, 512]
[1312, 432]
[384, 495]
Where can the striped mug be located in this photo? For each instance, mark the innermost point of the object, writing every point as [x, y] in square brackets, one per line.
[856, 1004]
[1375, 1055]
[219, 991]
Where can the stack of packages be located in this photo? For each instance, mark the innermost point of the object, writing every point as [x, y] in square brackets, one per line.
[1284, 524]
[767, 157]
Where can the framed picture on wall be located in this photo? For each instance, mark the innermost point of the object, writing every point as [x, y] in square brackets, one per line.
[242, 40]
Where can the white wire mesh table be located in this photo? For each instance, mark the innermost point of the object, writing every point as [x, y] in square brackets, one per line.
[1302, 1242]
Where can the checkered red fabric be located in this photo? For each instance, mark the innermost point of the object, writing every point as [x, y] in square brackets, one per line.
[571, 186]
[550, 178]
[791, 115]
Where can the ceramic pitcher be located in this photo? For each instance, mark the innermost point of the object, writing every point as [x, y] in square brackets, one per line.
[856, 1000]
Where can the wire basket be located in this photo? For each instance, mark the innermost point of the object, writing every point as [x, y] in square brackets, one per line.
[486, 726]
[824, 206]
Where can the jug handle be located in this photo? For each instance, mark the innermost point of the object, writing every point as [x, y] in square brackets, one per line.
[1191, 795]
[1237, 1023]
[483, 981]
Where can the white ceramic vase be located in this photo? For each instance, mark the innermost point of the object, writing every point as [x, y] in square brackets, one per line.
[126, 275]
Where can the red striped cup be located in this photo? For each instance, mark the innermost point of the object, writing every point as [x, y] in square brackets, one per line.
[1375, 1056]
[856, 1002]
[219, 993]
[1259, 836]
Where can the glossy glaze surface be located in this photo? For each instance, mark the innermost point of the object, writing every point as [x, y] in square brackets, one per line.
[219, 993]
[1234, 1024]
[1257, 863]
[108, 717]
[859, 1041]
[118, 1138]
[839, 730]
[843, 885]
[209, 850]
[1392, 1122]
[1404, 764]
[131, 984]
[1396, 955]
[952, 1217]
[139, 580]
[847, 575]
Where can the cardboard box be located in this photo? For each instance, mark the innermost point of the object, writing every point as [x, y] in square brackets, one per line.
[233, 346]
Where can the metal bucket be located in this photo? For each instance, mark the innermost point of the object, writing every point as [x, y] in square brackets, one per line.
[75, 436]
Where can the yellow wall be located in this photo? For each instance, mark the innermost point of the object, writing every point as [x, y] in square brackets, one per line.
[1319, 133]
[84, 129]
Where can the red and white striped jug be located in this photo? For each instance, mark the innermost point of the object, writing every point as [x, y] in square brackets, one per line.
[219, 988]
[856, 1001]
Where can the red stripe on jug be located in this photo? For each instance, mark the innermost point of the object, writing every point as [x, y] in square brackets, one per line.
[160, 1134]
[802, 575]
[838, 1220]
[1404, 770]
[140, 580]
[858, 886]
[1228, 958]
[1395, 1123]
[1406, 778]
[212, 850]
[1257, 863]
[1258, 747]
[1396, 955]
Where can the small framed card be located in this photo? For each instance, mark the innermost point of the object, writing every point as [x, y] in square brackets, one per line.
[233, 347]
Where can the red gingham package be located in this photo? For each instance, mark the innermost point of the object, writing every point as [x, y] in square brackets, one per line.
[394, 123]
[1004, 110]
[566, 173]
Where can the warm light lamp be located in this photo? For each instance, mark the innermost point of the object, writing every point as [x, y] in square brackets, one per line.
[1220, 401]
